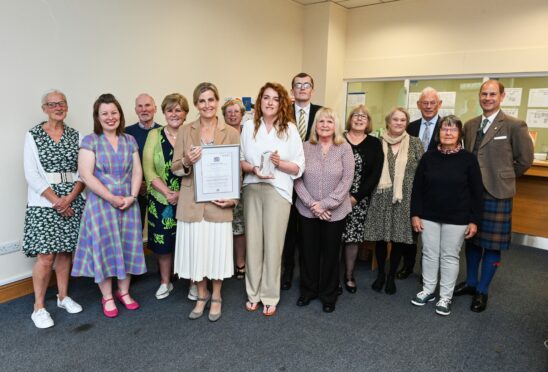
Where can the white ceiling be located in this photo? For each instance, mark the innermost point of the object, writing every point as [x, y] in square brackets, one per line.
[348, 4]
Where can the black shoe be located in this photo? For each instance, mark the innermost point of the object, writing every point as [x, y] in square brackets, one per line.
[304, 301]
[464, 289]
[404, 273]
[379, 283]
[328, 308]
[349, 288]
[479, 302]
[339, 290]
[287, 279]
[390, 285]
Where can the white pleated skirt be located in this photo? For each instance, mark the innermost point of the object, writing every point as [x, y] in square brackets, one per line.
[203, 250]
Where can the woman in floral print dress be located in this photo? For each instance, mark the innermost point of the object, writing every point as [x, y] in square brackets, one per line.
[163, 188]
[55, 204]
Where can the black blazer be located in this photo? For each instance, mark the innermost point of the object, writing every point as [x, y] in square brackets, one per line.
[414, 129]
[313, 109]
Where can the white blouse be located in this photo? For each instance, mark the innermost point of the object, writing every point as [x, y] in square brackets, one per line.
[289, 147]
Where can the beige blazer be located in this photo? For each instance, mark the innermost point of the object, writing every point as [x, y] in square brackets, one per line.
[505, 153]
[187, 209]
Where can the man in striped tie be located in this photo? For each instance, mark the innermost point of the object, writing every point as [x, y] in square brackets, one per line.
[302, 89]
[505, 151]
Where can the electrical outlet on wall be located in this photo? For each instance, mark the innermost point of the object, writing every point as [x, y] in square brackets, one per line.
[10, 247]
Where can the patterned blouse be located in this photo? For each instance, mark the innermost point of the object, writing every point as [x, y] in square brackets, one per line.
[326, 179]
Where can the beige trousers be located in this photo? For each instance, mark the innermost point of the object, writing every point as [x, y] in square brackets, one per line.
[266, 214]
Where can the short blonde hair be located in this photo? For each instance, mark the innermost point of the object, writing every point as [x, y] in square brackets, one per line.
[338, 137]
[388, 116]
[365, 111]
[174, 99]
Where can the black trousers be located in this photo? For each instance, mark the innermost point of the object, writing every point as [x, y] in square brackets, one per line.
[409, 257]
[291, 241]
[319, 259]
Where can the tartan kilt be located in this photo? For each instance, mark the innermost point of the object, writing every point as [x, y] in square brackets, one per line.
[495, 230]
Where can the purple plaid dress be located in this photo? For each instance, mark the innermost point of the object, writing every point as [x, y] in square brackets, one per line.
[110, 242]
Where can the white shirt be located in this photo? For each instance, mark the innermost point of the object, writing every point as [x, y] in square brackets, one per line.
[289, 147]
[306, 113]
[491, 118]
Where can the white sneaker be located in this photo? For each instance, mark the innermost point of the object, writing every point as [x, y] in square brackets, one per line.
[71, 306]
[193, 292]
[42, 319]
[164, 290]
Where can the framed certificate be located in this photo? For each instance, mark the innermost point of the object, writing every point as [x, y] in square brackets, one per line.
[217, 173]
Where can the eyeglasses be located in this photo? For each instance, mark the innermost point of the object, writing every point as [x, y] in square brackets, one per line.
[61, 104]
[449, 129]
[302, 85]
[428, 103]
[360, 116]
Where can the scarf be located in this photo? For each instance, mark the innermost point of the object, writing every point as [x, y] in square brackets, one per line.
[450, 151]
[385, 181]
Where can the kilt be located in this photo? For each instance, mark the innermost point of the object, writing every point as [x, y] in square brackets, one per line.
[495, 230]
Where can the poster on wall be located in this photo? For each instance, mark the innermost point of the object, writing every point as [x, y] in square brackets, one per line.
[512, 111]
[538, 97]
[355, 99]
[537, 118]
[512, 97]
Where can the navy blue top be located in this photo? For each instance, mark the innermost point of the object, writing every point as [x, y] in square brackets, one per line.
[140, 135]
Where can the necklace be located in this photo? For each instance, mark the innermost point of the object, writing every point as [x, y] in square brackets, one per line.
[174, 136]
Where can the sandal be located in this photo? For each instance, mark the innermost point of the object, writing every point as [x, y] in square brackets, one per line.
[251, 306]
[269, 310]
[240, 272]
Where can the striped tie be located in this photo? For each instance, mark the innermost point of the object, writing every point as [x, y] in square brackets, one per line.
[482, 126]
[302, 125]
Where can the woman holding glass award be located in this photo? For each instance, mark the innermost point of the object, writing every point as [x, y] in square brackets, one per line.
[271, 158]
[203, 246]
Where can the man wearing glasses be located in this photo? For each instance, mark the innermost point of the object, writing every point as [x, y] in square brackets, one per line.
[302, 89]
[425, 129]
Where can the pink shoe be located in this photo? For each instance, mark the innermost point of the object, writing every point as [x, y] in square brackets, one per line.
[130, 306]
[109, 313]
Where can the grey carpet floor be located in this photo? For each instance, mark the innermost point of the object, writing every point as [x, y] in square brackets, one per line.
[369, 331]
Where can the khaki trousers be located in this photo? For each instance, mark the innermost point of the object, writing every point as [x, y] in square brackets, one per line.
[265, 214]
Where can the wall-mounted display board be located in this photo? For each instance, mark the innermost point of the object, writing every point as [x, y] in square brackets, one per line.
[526, 98]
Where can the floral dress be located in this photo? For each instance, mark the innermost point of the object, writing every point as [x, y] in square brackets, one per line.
[46, 231]
[354, 229]
[162, 225]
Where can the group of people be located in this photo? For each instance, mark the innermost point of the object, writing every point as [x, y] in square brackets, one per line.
[327, 187]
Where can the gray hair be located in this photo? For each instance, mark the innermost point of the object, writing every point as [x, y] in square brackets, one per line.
[52, 91]
[429, 90]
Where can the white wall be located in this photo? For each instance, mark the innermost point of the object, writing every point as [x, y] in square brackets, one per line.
[125, 47]
[444, 37]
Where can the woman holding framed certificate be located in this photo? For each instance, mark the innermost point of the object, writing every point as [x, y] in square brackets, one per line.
[203, 246]
[271, 158]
